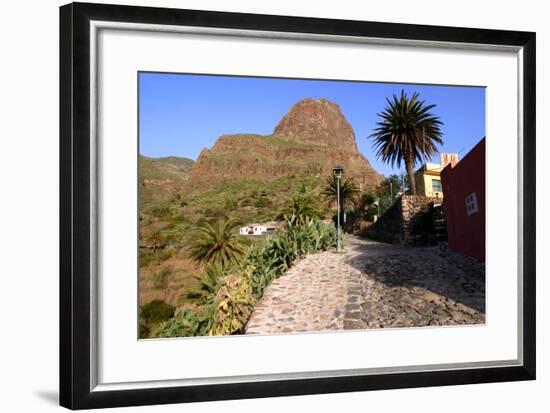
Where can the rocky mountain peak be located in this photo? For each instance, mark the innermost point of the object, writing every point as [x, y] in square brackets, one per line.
[308, 141]
[317, 122]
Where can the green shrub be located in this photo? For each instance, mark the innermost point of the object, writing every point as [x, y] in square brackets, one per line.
[186, 323]
[370, 213]
[167, 253]
[178, 218]
[324, 236]
[156, 311]
[264, 268]
[150, 256]
[263, 202]
[159, 278]
[306, 236]
[205, 287]
[166, 209]
[143, 330]
[246, 202]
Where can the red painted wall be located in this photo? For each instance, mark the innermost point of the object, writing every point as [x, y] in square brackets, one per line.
[466, 233]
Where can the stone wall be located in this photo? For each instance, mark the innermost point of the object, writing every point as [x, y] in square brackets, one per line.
[417, 220]
[407, 222]
[388, 227]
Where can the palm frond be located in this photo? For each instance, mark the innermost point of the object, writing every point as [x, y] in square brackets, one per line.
[218, 243]
[407, 130]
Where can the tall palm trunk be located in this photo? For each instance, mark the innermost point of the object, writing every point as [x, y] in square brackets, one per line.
[409, 164]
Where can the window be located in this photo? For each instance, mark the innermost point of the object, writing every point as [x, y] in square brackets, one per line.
[436, 185]
[471, 203]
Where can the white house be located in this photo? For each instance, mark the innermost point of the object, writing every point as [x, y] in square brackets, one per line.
[257, 229]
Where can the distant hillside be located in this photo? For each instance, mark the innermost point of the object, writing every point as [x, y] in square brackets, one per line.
[169, 167]
[161, 178]
[309, 140]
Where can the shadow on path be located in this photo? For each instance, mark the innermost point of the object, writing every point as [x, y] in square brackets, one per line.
[454, 276]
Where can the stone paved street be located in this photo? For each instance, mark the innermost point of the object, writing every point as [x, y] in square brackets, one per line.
[415, 287]
[373, 285]
[311, 296]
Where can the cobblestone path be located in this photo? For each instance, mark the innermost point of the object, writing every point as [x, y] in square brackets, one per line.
[415, 287]
[372, 285]
[311, 296]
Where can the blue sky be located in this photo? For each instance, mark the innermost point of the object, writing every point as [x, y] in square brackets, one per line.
[182, 114]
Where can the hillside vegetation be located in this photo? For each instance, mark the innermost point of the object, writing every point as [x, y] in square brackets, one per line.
[161, 178]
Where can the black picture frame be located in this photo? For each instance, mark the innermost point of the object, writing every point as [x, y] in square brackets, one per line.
[75, 219]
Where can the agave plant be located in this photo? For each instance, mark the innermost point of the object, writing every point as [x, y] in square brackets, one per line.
[186, 323]
[322, 236]
[218, 243]
[203, 290]
[232, 306]
[300, 234]
[264, 268]
[284, 251]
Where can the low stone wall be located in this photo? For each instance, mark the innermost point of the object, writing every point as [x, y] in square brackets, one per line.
[407, 222]
[417, 223]
[388, 227]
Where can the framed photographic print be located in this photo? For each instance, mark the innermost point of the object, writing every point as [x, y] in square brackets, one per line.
[257, 206]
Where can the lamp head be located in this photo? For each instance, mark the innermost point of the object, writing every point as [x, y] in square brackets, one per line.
[338, 171]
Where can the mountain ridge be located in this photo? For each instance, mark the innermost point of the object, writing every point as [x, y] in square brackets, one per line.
[310, 138]
[161, 178]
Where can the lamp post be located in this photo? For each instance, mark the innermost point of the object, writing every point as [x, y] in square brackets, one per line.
[338, 171]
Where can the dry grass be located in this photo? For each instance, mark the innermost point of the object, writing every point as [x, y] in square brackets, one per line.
[167, 280]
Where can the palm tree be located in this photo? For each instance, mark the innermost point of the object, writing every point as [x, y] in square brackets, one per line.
[408, 133]
[217, 243]
[366, 200]
[348, 192]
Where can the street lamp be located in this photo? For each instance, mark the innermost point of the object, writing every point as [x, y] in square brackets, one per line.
[338, 171]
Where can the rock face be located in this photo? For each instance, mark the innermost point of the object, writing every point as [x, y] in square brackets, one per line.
[310, 139]
[317, 122]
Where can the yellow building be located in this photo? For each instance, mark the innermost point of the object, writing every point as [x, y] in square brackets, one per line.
[428, 176]
[428, 180]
